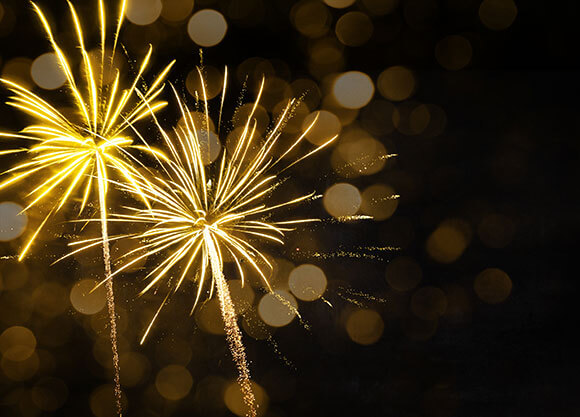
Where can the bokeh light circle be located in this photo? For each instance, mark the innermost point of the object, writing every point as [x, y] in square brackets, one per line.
[365, 326]
[46, 72]
[87, 298]
[396, 83]
[307, 282]
[173, 382]
[207, 27]
[353, 89]
[492, 285]
[143, 12]
[12, 221]
[277, 309]
[341, 200]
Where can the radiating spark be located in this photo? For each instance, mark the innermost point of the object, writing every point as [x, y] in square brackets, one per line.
[67, 155]
[200, 213]
[347, 294]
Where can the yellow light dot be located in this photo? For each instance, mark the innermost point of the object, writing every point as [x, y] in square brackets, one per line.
[176, 10]
[379, 201]
[403, 273]
[173, 382]
[341, 200]
[279, 309]
[143, 12]
[453, 52]
[498, 14]
[365, 327]
[12, 221]
[493, 285]
[353, 89]
[86, 298]
[354, 29]
[46, 72]
[311, 18]
[234, 399]
[307, 282]
[17, 343]
[207, 27]
[339, 4]
[396, 83]
[380, 7]
[429, 303]
[326, 127]
[448, 242]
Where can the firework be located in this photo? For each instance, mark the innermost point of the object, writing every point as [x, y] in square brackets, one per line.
[201, 212]
[72, 155]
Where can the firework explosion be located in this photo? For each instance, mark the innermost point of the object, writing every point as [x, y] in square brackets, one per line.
[69, 154]
[201, 212]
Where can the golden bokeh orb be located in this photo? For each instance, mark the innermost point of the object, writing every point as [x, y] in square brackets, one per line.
[396, 83]
[339, 4]
[326, 127]
[354, 29]
[173, 382]
[207, 27]
[143, 12]
[492, 285]
[311, 18]
[365, 326]
[234, 399]
[87, 298]
[342, 200]
[307, 282]
[379, 201]
[176, 10]
[353, 89]
[448, 242]
[380, 7]
[46, 72]
[278, 309]
[453, 52]
[13, 221]
[498, 14]
[17, 343]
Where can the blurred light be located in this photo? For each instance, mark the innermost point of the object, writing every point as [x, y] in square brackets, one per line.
[207, 27]
[492, 285]
[213, 82]
[327, 126]
[380, 7]
[173, 382]
[102, 401]
[143, 12]
[365, 327]
[341, 200]
[429, 303]
[307, 282]
[199, 120]
[326, 56]
[49, 394]
[411, 118]
[176, 10]
[353, 89]
[277, 310]
[358, 154]
[14, 275]
[306, 88]
[346, 116]
[294, 125]
[109, 71]
[354, 29]
[209, 318]
[448, 242]
[17, 343]
[134, 368]
[498, 14]
[254, 326]
[46, 72]
[12, 221]
[339, 4]
[453, 52]
[18, 70]
[396, 83]
[242, 297]
[379, 201]
[234, 399]
[403, 273]
[496, 230]
[20, 370]
[86, 298]
[210, 146]
[50, 299]
[311, 18]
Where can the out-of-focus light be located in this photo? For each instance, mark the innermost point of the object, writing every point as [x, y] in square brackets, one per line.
[327, 125]
[213, 82]
[254, 326]
[496, 230]
[311, 18]
[209, 318]
[199, 120]
[176, 10]
[403, 273]
[102, 401]
[207, 27]
[87, 299]
[49, 394]
[448, 242]
[429, 303]
[277, 310]
[354, 29]
[306, 88]
[411, 118]
[234, 399]
[453, 52]
[50, 299]
[134, 368]
[46, 72]
[20, 370]
[396, 83]
[380, 7]
[143, 12]
[307, 282]
[379, 201]
[339, 4]
[173, 382]
[18, 70]
[326, 56]
[365, 327]
[498, 14]
[342, 200]
[358, 154]
[242, 297]
[12, 221]
[353, 89]
[17, 343]
[210, 146]
[492, 285]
